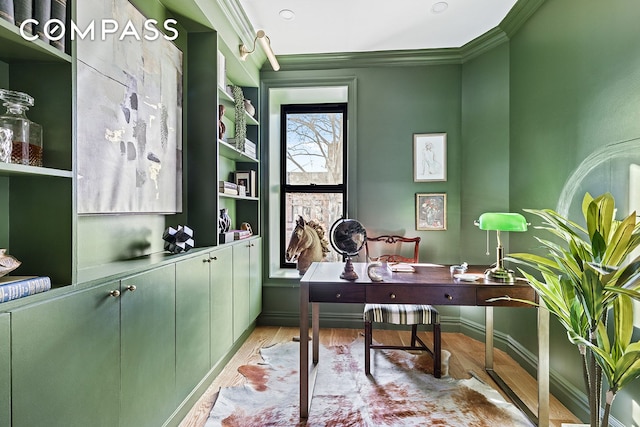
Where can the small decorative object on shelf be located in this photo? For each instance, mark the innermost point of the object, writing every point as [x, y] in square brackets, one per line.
[226, 235]
[224, 222]
[26, 141]
[7, 263]
[221, 126]
[178, 240]
[249, 108]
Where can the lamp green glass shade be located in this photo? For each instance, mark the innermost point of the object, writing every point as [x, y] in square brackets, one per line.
[502, 221]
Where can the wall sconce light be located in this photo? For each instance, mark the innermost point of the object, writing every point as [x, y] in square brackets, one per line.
[500, 222]
[266, 46]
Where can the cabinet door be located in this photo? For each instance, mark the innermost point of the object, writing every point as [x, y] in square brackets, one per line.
[241, 286]
[5, 370]
[65, 361]
[221, 303]
[148, 351]
[192, 323]
[255, 278]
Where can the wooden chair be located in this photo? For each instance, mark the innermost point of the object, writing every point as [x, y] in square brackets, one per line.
[400, 314]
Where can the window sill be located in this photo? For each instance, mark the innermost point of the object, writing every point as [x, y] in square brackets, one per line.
[284, 273]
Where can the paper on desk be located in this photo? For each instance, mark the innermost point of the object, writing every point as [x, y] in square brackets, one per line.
[401, 267]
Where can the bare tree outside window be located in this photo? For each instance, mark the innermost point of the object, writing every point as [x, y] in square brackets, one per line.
[313, 180]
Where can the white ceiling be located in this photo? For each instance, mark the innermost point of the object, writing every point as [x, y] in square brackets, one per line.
[328, 26]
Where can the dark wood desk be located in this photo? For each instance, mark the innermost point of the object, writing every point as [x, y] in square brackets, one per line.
[428, 285]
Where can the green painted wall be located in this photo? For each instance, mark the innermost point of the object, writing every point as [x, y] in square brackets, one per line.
[388, 113]
[485, 181]
[393, 104]
[521, 118]
[574, 79]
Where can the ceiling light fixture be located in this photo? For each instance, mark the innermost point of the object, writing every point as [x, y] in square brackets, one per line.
[287, 14]
[266, 46]
[439, 7]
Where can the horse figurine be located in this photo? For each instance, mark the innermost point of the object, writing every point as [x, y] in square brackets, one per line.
[307, 244]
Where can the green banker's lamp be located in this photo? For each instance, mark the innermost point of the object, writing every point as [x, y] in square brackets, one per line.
[495, 221]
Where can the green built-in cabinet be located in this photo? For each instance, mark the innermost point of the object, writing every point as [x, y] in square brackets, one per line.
[5, 370]
[247, 290]
[221, 301]
[148, 346]
[132, 351]
[192, 322]
[65, 364]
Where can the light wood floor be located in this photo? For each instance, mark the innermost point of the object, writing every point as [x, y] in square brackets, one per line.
[467, 355]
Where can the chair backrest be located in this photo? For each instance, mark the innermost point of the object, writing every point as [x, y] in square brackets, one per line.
[391, 248]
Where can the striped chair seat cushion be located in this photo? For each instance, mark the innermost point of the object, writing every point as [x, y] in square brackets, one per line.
[401, 314]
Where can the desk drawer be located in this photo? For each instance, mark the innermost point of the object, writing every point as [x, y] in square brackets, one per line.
[346, 292]
[495, 291]
[416, 294]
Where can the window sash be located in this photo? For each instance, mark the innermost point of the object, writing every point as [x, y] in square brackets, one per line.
[311, 188]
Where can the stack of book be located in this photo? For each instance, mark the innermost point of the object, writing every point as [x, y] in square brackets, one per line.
[226, 187]
[21, 12]
[232, 235]
[247, 147]
[14, 287]
[241, 234]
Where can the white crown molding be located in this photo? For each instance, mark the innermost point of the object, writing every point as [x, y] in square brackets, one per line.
[238, 19]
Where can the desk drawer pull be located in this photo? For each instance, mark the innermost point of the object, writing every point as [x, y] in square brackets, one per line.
[449, 297]
[392, 296]
[338, 295]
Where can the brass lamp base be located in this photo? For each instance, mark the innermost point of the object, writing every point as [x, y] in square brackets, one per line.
[500, 274]
[349, 273]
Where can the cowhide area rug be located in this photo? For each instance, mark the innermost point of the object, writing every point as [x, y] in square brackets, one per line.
[401, 391]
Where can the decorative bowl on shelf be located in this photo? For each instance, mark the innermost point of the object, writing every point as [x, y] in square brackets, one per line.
[7, 263]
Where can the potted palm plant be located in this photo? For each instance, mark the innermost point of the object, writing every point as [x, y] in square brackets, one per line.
[587, 281]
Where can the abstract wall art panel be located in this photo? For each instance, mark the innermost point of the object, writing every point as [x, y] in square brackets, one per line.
[129, 124]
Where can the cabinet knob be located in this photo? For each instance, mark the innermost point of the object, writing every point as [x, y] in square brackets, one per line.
[215, 258]
[131, 288]
[338, 295]
[392, 296]
[115, 293]
[447, 296]
[206, 260]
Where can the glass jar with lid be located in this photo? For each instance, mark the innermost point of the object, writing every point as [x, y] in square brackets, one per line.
[23, 135]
